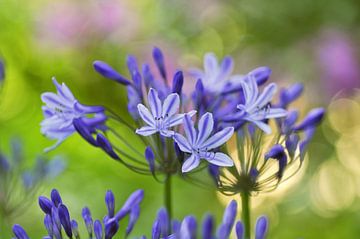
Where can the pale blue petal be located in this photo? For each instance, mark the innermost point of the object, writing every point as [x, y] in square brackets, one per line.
[210, 63]
[146, 131]
[178, 118]
[219, 159]
[265, 96]
[189, 129]
[275, 113]
[263, 126]
[190, 163]
[167, 133]
[146, 115]
[182, 143]
[154, 103]
[206, 125]
[63, 90]
[226, 68]
[218, 139]
[171, 105]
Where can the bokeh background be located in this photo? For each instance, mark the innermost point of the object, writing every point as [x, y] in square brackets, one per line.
[314, 42]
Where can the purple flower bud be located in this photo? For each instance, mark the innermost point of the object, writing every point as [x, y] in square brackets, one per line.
[134, 199]
[261, 227]
[239, 229]
[106, 146]
[289, 121]
[261, 74]
[4, 164]
[48, 224]
[45, 204]
[110, 203]
[290, 94]
[56, 219]
[190, 225]
[214, 173]
[229, 218]
[163, 218]
[137, 83]
[134, 215]
[19, 232]
[207, 227]
[178, 82]
[312, 119]
[150, 158]
[75, 229]
[2, 71]
[292, 143]
[84, 131]
[108, 72]
[133, 100]
[55, 197]
[132, 65]
[98, 229]
[148, 77]
[275, 152]
[111, 228]
[159, 60]
[56, 231]
[65, 219]
[156, 230]
[254, 173]
[86, 214]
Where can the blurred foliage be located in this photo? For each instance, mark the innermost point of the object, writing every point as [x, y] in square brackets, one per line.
[282, 34]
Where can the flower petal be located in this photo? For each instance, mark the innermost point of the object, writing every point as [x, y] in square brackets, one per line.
[210, 63]
[218, 139]
[182, 143]
[146, 131]
[263, 126]
[206, 125]
[265, 96]
[190, 163]
[219, 159]
[171, 105]
[154, 103]
[146, 115]
[268, 114]
[189, 129]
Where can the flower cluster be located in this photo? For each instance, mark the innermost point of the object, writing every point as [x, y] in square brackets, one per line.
[58, 222]
[14, 177]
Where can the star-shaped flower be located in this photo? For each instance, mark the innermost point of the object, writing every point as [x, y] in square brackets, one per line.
[200, 145]
[162, 116]
[256, 107]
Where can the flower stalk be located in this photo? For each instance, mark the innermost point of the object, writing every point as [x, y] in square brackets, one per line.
[168, 196]
[245, 213]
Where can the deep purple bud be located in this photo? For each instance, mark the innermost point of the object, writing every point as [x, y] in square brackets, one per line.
[312, 119]
[239, 229]
[199, 87]
[134, 215]
[110, 203]
[289, 121]
[106, 146]
[111, 228]
[55, 217]
[108, 72]
[208, 227]
[214, 173]
[175, 226]
[4, 164]
[45, 204]
[191, 225]
[148, 77]
[48, 224]
[261, 227]
[132, 65]
[86, 214]
[275, 152]
[291, 144]
[19, 232]
[65, 219]
[75, 229]
[163, 218]
[261, 74]
[290, 94]
[84, 131]
[229, 218]
[133, 100]
[98, 229]
[150, 158]
[2, 71]
[159, 60]
[55, 197]
[178, 82]
[134, 199]
[56, 231]
[309, 133]
[254, 173]
[156, 230]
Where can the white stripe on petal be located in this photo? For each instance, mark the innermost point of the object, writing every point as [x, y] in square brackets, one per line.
[190, 163]
[146, 115]
[206, 125]
[171, 105]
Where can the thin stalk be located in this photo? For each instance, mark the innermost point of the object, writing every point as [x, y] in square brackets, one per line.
[167, 195]
[245, 213]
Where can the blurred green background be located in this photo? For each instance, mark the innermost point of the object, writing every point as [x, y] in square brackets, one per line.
[314, 42]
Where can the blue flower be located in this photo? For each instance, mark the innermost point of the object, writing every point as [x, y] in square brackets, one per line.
[60, 111]
[2, 71]
[256, 108]
[162, 116]
[215, 76]
[200, 145]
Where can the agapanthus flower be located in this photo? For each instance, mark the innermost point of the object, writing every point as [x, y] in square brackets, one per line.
[58, 219]
[162, 116]
[257, 106]
[60, 111]
[200, 145]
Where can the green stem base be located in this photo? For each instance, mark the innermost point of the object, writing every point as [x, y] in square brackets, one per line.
[245, 214]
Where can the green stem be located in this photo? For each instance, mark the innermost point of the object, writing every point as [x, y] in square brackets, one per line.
[167, 195]
[245, 214]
